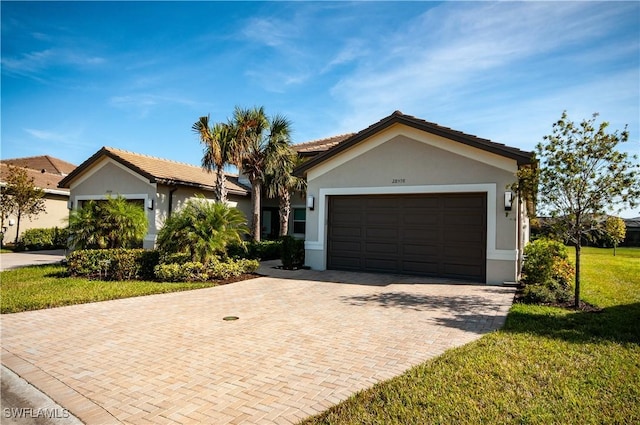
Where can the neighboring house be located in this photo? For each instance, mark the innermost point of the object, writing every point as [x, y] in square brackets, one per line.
[408, 196]
[632, 237]
[161, 185]
[47, 172]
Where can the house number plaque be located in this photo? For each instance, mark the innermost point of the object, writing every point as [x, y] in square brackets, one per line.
[397, 181]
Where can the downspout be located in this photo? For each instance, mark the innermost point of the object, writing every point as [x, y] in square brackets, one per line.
[171, 201]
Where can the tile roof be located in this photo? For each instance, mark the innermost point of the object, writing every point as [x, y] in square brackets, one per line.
[522, 157]
[316, 146]
[159, 170]
[46, 181]
[43, 162]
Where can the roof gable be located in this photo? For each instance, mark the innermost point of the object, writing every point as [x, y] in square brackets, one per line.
[42, 163]
[521, 157]
[158, 170]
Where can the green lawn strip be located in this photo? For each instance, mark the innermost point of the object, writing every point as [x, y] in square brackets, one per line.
[547, 365]
[34, 288]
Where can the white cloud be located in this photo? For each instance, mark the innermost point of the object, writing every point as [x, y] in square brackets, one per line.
[458, 57]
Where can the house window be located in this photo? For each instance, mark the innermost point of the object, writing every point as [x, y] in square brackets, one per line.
[299, 220]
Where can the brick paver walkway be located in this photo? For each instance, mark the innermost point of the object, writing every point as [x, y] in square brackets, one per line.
[300, 345]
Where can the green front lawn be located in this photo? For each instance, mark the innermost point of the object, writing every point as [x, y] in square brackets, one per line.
[547, 365]
[38, 287]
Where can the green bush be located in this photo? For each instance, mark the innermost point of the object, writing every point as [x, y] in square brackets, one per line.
[112, 264]
[262, 250]
[197, 272]
[547, 272]
[292, 253]
[44, 238]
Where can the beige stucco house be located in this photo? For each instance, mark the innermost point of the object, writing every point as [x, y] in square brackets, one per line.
[46, 172]
[161, 185]
[408, 196]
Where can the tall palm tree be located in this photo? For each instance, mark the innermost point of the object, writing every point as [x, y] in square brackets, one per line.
[261, 142]
[280, 183]
[219, 150]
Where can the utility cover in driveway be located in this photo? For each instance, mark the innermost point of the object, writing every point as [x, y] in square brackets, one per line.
[441, 235]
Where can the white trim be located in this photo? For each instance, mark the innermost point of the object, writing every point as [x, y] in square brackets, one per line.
[143, 196]
[489, 188]
[103, 163]
[395, 130]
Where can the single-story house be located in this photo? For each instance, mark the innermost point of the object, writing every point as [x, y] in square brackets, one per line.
[46, 172]
[163, 186]
[632, 237]
[160, 185]
[403, 195]
[409, 196]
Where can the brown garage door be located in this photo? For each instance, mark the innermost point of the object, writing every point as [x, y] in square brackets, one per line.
[440, 235]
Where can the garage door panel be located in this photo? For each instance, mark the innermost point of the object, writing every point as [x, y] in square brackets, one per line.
[381, 265]
[382, 233]
[420, 267]
[380, 248]
[430, 234]
[420, 218]
[347, 232]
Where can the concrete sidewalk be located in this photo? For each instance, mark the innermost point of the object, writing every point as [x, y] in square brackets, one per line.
[15, 260]
[300, 345]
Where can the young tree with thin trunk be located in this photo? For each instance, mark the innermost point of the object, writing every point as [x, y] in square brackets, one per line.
[615, 230]
[582, 176]
[20, 197]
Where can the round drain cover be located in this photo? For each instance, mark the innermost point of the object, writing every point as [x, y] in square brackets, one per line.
[227, 318]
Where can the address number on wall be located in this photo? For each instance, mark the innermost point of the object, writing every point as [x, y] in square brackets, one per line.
[397, 181]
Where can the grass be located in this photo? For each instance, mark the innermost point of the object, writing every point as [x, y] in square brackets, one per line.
[546, 366]
[38, 287]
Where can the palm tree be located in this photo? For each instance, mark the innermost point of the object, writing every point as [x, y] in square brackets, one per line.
[114, 223]
[261, 142]
[280, 182]
[219, 150]
[202, 229]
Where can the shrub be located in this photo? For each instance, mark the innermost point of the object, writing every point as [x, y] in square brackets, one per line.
[114, 223]
[112, 264]
[44, 238]
[197, 272]
[547, 272]
[292, 252]
[262, 250]
[202, 229]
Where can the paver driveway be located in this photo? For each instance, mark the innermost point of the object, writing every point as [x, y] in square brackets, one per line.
[301, 344]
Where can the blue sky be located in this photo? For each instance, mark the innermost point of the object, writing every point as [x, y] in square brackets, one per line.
[77, 76]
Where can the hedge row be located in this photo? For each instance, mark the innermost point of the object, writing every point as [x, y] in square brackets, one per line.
[113, 264]
[198, 272]
[128, 264]
[43, 238]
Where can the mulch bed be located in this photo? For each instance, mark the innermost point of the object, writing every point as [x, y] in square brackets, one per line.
[569, 305]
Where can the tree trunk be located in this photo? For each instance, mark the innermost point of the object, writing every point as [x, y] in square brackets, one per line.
[577, 281]
[614, 248]
[255, 203]
[221, 188]
[17, 227]
[285, 211]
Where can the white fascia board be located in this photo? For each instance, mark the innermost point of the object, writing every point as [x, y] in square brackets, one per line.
[387, 134]
[489, 188]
